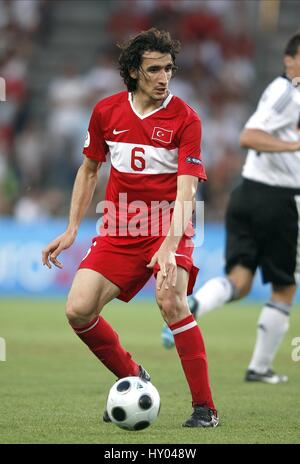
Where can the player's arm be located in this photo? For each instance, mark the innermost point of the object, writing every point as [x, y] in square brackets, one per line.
[83, 190]
[183, 210]
[261, 140]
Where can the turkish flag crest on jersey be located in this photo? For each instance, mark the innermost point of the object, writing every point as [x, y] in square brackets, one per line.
[162, 135]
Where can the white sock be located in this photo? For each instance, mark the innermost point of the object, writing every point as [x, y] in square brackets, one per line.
[273, 323]
[213, 294]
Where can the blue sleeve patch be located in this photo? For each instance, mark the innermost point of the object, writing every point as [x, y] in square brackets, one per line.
[191, 159]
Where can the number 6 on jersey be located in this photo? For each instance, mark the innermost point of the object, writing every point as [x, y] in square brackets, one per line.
[138, 163]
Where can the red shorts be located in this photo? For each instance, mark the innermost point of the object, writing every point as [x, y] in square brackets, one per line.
[123, 261]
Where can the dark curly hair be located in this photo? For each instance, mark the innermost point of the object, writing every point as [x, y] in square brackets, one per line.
[293, 44]
[133, 50]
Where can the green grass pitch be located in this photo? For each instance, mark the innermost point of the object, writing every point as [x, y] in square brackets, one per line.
[53, 390]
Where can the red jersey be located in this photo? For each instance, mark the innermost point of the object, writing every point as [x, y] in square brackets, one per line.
[147, 152]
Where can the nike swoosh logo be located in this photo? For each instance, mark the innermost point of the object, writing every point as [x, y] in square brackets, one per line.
[115, 132]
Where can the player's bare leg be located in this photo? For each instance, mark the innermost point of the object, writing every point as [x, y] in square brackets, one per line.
[89, 293]
[214, 294]
[241, 278]
[272, 325]
[283, 294]
[172, 302]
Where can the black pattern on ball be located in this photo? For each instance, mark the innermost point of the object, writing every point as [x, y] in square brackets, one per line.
[123, 386]
[145, 402]
[118, 414]
[141, 425]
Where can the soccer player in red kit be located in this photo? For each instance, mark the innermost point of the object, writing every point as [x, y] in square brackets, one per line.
[153, 140]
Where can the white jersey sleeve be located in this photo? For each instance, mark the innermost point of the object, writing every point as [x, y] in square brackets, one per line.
[278, 113]
[273, 111]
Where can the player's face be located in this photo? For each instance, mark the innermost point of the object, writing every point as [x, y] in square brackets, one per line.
[154, 75]
[292, 64]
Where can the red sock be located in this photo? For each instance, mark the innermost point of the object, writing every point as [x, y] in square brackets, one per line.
[104, 342]
[191, 349]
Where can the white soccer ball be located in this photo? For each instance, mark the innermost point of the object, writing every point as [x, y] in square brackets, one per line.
[133, 403]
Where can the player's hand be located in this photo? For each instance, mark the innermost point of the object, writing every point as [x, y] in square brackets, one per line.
[54, 248]
[168, 268]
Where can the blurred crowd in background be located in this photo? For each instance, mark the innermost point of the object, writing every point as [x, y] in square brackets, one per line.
[39, 157]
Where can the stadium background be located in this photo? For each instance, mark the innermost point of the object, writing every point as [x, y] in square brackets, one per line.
[58, 59]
